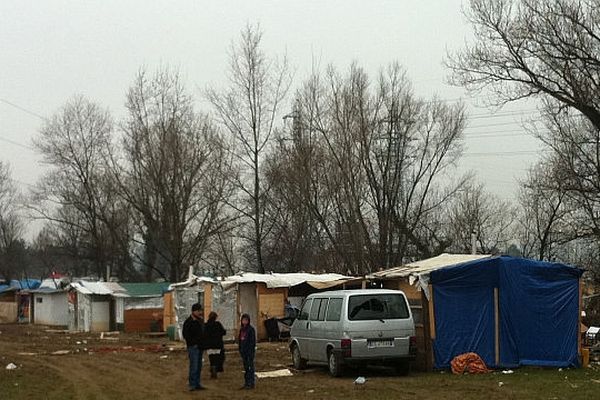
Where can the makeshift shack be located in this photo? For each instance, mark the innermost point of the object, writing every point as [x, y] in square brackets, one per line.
[262, 296]
[139, 307]
[90, 306]
[510, 311]
[210, 293]
[15, 300]
[50, 303]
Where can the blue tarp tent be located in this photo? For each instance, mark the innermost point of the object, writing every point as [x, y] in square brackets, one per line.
[510, 311]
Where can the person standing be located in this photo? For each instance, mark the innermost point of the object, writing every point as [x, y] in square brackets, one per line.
[247, 347]
[214, 345]
[193, 333]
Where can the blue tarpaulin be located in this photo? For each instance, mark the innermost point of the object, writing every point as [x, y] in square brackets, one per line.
[538, 312]
[27, 284]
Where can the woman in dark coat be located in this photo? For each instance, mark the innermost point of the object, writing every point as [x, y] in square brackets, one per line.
[247, 347]
[214, 346]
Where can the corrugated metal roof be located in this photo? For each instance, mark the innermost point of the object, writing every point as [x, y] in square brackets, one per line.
[427, 265]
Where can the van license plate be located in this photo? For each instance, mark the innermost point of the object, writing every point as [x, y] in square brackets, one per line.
[373, 344]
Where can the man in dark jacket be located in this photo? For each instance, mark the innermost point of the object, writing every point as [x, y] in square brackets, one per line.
[193, 333]
[247, 347]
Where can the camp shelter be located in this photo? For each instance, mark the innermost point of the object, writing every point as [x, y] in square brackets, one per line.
[15, 300]
[210, 293]
[90, 306]
[139, 307]
[263, 296]
[511, 311]
[50, 303]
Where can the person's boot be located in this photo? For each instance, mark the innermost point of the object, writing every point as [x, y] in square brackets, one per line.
[213, 372]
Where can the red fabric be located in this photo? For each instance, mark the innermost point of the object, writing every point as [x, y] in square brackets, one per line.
[468, 363]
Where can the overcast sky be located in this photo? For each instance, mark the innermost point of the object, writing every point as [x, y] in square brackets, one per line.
[51, 50]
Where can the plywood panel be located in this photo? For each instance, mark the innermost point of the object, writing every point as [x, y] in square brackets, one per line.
[8, 312]
[270, 306]
[141, 320]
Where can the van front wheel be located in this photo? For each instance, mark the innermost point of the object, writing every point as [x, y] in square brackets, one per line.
[297, 360]
[335, 364]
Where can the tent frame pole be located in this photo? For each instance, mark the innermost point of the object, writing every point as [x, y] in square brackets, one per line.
[496, 326]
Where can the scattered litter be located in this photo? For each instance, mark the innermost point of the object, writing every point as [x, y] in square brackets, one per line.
[164, 357]
[85, 349]
[27, 354]
[60, 352]
[560, 370]
[78, 342]
[103, 334]
[11, 366]
[508, 371]
[361, 380]
[84, 341]
[500, 384]
[595, 380]
[274, 374]
[310, 391]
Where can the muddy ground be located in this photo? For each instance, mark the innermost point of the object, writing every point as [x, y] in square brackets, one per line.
[136, 367]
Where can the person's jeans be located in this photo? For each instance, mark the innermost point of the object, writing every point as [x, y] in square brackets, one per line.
[195, 356]
[249, 377]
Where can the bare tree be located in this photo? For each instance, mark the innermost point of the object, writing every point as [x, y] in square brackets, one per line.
[77, 194]
[374, 157]
[490, 218]
[174, 173]
[534, 48]
[544, 213]
[249, 109]
[11, 225]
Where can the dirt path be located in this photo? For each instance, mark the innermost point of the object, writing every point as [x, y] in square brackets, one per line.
[139, 368]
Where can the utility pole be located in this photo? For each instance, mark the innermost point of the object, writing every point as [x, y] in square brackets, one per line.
[473, 243]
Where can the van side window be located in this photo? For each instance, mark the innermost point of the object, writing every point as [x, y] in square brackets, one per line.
[323, 309]
[305, 310]
[334, 312]
[314, 311]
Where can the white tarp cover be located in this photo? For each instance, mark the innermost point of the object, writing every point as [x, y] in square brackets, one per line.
[418, 271]
[427, 265]
[281, 280]
[87, 287]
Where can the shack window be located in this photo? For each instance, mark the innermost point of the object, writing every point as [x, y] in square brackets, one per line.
[38, 300]
[334, 312]
[305, 310]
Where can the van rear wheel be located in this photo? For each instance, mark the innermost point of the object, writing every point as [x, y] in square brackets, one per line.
[297, 360]
[335, 364]
[403, 367]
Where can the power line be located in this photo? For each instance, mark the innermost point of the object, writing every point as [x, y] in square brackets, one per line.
[10, 103]
[4, 139]
[504, 153]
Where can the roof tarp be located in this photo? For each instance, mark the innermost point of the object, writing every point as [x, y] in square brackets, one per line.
[538, 312]
[280, 280]
[152, 289]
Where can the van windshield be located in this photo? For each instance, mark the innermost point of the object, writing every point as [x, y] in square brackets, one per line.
[377, 306]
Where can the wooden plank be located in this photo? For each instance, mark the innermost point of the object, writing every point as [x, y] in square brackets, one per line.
[431, 313]
[497, 326]
[579, 316]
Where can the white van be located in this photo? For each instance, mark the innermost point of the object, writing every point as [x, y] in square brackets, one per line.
[359, 327]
